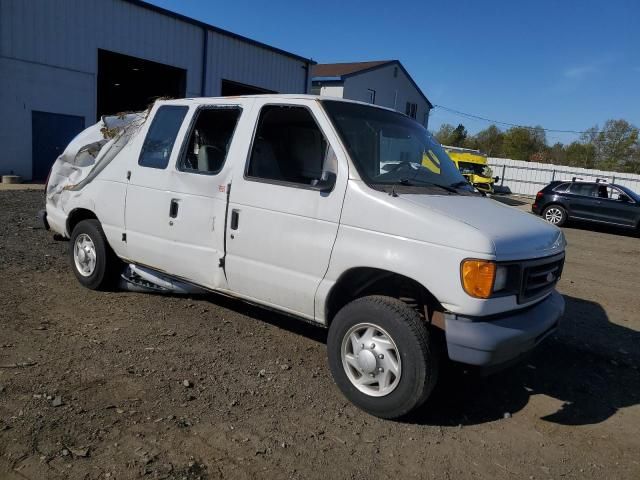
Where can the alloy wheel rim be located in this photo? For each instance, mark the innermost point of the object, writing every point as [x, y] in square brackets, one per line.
[553, 215]
[371, 359]
[84, 255]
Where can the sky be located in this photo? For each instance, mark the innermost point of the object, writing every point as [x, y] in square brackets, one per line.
[564, 65]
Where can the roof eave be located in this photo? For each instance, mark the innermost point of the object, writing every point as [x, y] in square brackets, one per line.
[213, 28]
[386, 64]
[326, 79]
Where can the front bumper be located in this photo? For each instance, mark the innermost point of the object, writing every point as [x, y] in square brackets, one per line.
[500, 341]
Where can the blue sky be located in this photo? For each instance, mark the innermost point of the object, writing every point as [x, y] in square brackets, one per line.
[564, 65]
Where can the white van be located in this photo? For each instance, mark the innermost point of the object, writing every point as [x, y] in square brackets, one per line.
[335, 212]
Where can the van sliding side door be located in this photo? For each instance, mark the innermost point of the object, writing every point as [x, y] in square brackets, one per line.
[198, 189]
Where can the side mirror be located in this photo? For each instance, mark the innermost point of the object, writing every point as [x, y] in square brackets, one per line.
[496, 179]
[325, 183]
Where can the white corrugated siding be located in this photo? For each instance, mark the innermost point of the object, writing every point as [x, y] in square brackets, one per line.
[527, 178]
[68, 33]
[233, 59]
[49, 56]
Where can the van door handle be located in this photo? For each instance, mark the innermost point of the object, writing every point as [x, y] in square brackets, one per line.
[235, 217]
[173, 208]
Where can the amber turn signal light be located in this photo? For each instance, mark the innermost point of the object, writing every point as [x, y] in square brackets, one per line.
[478, 277]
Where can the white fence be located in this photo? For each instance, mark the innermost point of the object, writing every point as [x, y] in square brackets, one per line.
[527, 178]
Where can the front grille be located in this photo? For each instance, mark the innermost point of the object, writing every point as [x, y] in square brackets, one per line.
[539, 277]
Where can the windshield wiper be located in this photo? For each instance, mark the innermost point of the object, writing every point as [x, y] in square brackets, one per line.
[419, 183]
[461, 183]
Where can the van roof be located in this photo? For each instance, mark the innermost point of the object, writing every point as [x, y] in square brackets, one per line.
[269, 96]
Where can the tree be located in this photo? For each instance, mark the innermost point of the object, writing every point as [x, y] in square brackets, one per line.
[521, 143]
[444, 133]
[448, 135]
[615, 145]
[488, 141]
[558, 154]
[580, 155]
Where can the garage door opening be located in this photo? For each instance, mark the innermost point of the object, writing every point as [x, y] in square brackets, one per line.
[232, 89]
[130, 84]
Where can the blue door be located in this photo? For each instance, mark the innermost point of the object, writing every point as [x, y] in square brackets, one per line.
[50, 134]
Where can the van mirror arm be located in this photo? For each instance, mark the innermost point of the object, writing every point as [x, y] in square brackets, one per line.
[325, 183]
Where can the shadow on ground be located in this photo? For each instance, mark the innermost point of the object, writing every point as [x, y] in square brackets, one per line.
[590, 366]
[508, 200]
[601, 228]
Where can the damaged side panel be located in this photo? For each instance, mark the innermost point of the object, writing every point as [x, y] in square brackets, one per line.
[88, 154]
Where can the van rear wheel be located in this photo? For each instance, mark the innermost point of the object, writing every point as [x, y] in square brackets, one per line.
[94, 264]
[381, 356]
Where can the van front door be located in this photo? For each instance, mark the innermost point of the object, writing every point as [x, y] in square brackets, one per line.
[281, 228]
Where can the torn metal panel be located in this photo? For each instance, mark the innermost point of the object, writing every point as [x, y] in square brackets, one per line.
[137, 278]
[89, 153]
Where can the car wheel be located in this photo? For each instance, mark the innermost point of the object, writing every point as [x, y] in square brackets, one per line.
[555, 215]
[93, 262]
[381, 356]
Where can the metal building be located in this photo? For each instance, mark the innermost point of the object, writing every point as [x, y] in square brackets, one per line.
[384, 82]
[64, 63]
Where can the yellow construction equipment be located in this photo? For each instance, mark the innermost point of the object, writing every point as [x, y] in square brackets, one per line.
[473, 166]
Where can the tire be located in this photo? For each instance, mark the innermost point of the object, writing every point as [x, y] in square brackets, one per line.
[555, 214]
[415, 355]
[103, 271]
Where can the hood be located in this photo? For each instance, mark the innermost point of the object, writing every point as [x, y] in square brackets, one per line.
[515, 234]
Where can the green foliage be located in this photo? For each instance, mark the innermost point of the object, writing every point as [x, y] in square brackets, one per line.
[523, 143]
[490, 141]
[614, 147]
[453, 136]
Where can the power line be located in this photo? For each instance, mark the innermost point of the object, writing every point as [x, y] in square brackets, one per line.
[478, 117]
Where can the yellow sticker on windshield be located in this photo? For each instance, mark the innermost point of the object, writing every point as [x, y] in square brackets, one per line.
[430, 161]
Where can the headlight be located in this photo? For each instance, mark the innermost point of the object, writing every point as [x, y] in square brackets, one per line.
[478, 277]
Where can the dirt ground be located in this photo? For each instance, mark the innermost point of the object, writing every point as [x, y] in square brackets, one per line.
[124, 385]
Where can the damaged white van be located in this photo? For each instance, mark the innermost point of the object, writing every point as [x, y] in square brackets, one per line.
[335, 212]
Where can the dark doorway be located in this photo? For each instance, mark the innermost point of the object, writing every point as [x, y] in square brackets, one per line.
[130, 84]
[50, 134]
[233, 89]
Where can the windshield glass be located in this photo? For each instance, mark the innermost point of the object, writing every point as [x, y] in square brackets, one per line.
[389, 148]
[468, 168]
[629, 192]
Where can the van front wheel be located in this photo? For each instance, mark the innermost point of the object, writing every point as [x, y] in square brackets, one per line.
[381, 356]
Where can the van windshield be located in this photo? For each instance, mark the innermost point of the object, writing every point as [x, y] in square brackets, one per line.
[389, 148]
[468, 168]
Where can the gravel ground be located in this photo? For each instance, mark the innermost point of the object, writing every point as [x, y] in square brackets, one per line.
[124, 385]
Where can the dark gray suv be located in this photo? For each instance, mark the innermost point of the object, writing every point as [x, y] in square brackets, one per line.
[605, 203]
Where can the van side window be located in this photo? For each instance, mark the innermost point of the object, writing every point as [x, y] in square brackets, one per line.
[209, 140]
[161, 136]
[288, 146]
